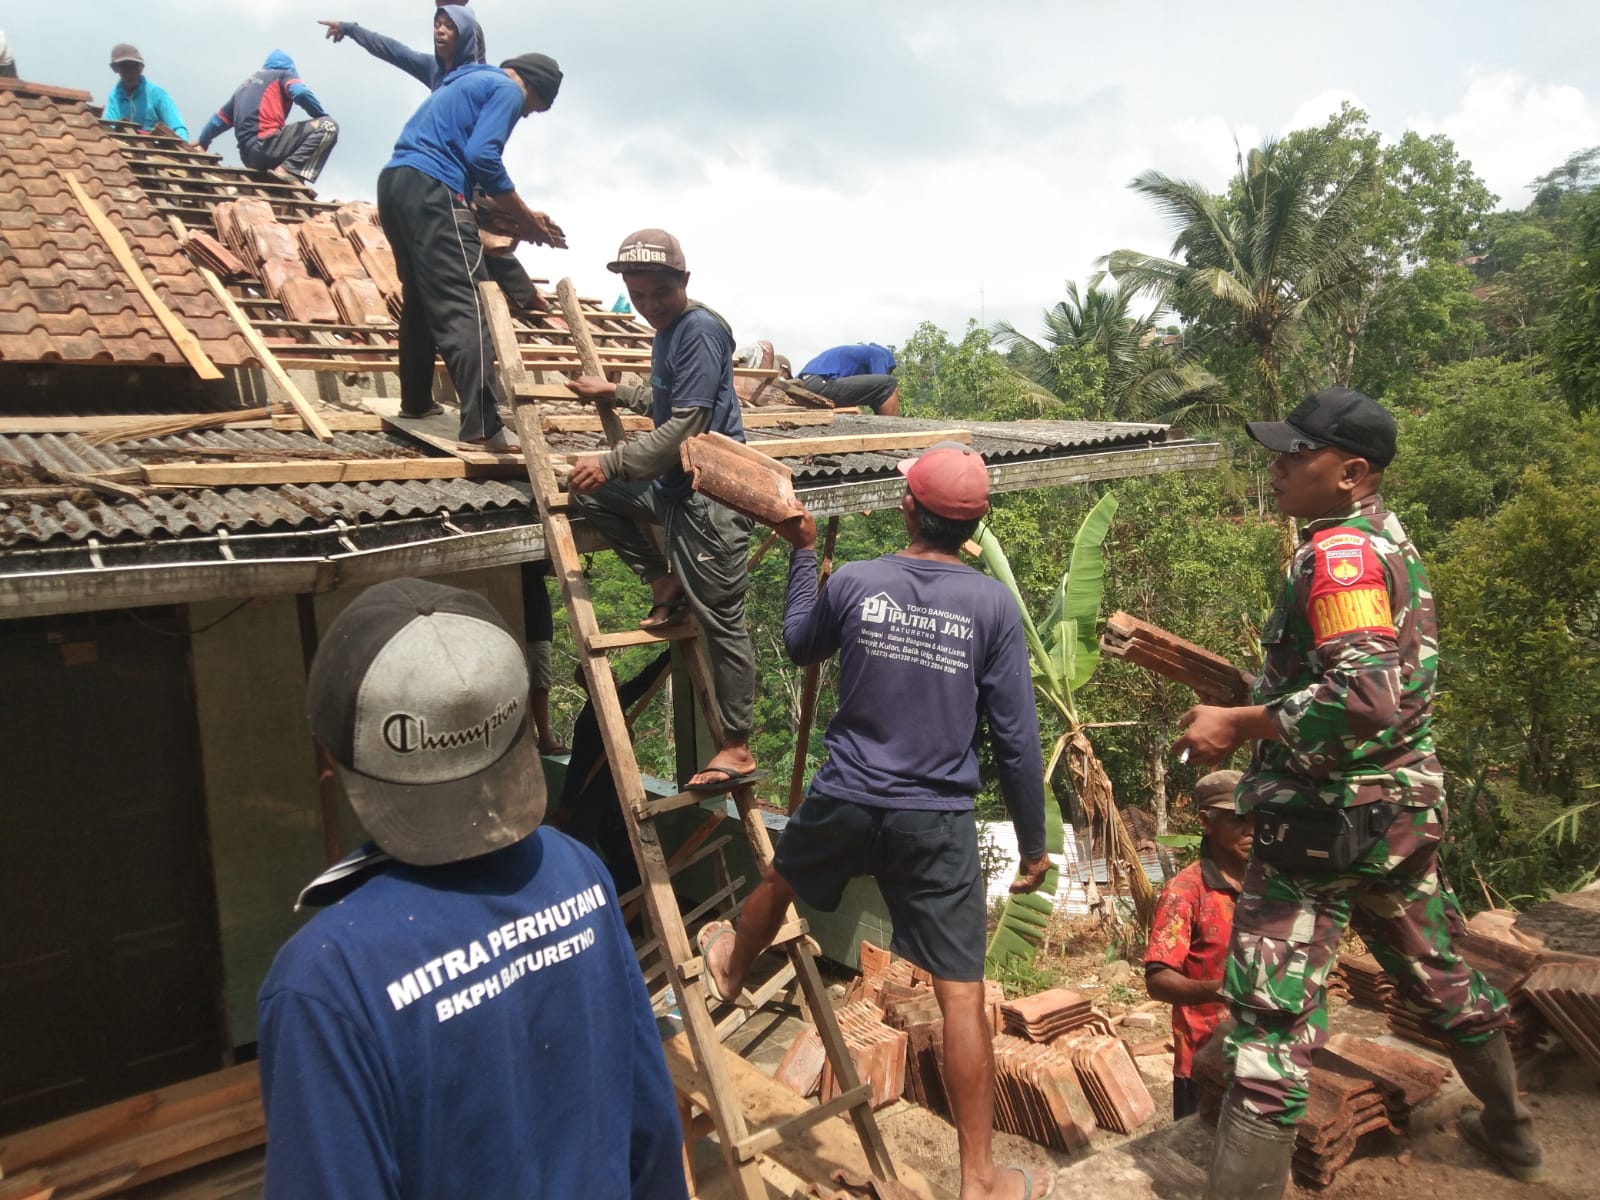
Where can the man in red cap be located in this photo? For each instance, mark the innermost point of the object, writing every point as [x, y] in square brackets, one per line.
[927, 647]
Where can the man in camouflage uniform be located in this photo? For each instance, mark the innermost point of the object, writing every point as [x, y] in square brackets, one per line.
[1342, 724]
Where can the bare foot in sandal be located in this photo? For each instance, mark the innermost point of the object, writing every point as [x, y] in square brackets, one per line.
[668, 602]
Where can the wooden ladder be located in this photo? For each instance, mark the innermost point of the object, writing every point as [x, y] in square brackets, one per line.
[714, 1088]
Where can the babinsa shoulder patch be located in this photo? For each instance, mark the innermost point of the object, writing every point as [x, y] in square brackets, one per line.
[1349, 592]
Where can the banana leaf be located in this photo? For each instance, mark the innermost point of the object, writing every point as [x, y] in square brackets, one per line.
[1063, 660]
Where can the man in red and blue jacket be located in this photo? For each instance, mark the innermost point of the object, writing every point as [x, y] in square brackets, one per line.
[259, 114]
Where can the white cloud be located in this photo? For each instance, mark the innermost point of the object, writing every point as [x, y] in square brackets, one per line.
[1513, 129]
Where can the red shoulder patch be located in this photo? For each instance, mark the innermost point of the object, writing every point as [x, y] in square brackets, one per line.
[1349, 593]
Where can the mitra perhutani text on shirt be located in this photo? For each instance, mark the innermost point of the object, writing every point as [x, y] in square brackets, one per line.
[500, 957]
[929, 637]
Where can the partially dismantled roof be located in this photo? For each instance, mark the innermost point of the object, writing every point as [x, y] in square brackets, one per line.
[63, 298]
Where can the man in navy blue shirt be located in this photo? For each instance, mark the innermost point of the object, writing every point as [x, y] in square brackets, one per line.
[465, 1017]
[453, 145]
[641, 483]
[927, 647]
[258, 112]
[859, 376]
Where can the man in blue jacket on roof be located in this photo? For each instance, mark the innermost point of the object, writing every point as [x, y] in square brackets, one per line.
[859, 376]
[452, 146]
[259, 115]
[457, 41]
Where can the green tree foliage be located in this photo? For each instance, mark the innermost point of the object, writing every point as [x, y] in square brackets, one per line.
[966, 379]
[1284, 247]
[1467, 434]
[1104, 362]
[1575, 337]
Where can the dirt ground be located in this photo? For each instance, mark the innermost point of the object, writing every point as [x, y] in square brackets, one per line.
[1168, 1161]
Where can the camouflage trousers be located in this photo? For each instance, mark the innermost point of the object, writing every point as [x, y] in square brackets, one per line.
[1286, 931]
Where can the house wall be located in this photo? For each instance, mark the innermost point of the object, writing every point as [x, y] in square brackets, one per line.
[262, 802]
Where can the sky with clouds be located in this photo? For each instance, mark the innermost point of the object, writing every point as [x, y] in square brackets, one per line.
[841, 172]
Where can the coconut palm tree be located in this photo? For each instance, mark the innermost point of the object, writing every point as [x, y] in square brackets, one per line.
[1139, 377]
[1284, 245]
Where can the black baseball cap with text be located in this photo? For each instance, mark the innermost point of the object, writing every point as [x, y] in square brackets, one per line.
[1337, 416]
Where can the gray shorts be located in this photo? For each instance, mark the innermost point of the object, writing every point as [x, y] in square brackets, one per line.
[853, 391]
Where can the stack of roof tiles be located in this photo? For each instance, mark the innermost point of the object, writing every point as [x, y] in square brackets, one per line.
[1038, 1095]
[1045, 1016]
[918, 1016]
[63, 297]
[1357, 1088]
[1116, 1090]
[1568, 994]
[297, 264]
[1364, 980]
[878, 1052]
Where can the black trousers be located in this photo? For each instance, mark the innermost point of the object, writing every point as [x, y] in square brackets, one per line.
[440, 263]
[302, 148]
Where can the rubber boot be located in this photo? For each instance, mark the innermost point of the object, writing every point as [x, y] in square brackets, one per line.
[1504, 1129]
[1251, 1158]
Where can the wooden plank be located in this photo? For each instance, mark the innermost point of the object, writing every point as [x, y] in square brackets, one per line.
[753, 418]
[600, 642]
[339, 422]
[439, 431]
[269, 363]
[814, 1153]
[187, 343]
[348, 470]
[857, 443]
[144, 1113]
[588, 358]
[110, 425]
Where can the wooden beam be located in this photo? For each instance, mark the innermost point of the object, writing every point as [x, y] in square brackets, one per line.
[339, 422]
[349, 470]
[589, 358]
[114, 425]
[269, 363]
[753, 418]
[857, 443]
[187, 343]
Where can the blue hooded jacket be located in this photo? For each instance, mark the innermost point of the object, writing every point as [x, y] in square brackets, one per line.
[424, 66]
[260, 107]
[459, 134]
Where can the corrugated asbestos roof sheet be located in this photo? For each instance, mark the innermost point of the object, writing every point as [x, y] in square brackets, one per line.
[77, 516]
[63, 298]
[201, 511]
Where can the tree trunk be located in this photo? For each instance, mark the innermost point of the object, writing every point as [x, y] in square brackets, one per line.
[1156, 761]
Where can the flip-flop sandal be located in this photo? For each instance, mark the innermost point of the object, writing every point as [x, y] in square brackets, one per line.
[729, 780]
[708, 937]
[1027, 1184]
[672, 613]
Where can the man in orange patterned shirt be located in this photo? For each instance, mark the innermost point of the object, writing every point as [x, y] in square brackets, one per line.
[1188, 947]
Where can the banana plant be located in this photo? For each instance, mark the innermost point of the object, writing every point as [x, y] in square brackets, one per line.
[1064, 649]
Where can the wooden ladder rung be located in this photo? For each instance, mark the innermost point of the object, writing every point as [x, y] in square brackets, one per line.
[654, 808]
[597, 643]
[765, 1139]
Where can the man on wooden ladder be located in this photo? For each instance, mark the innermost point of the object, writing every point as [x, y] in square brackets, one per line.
[927, 646]
[642, 483]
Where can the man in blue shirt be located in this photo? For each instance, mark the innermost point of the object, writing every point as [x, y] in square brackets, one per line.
[465, 1017]
[138, 100]
[927, 648]
[452, 146]
[258, 112]
[642, 483]
[859, 376]
[457, 40]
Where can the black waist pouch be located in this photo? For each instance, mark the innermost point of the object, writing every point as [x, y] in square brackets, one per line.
[1301, 840]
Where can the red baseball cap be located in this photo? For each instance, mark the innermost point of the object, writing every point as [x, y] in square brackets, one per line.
[948, 479]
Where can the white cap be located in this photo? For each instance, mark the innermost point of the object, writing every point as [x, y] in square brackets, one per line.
[5, 48]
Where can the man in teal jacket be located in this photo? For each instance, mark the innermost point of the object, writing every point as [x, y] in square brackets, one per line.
[138, 100]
